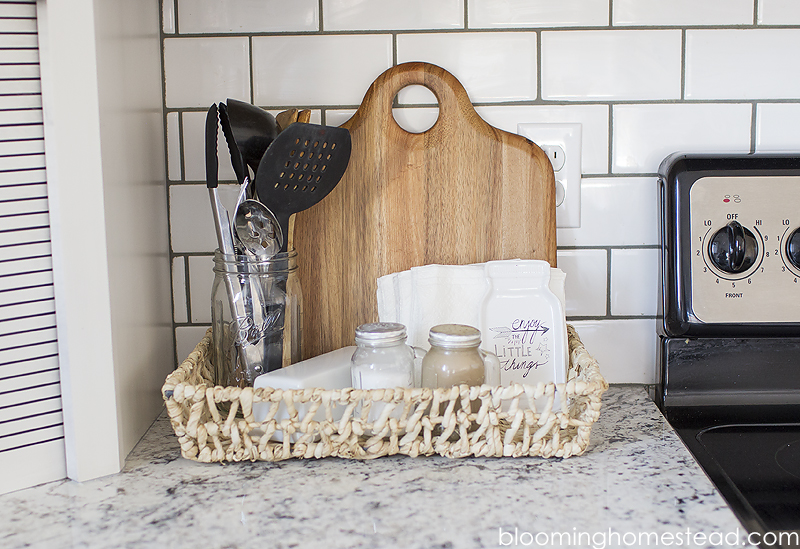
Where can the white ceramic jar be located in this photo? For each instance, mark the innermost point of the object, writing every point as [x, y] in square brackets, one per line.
[523, 323]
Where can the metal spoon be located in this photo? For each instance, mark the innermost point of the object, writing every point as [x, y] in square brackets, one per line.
[258, 229]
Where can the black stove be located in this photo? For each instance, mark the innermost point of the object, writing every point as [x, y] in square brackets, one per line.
[730, 340]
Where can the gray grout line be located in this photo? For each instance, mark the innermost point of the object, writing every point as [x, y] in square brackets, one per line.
[608, 281]
[753, 124]
[755, 11]
[321, 25]
[466, 15]
[187, 281]
[683, 64]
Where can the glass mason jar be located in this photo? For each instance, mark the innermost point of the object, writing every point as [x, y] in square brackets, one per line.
[256, 315]
[455, 358]
[382, 359]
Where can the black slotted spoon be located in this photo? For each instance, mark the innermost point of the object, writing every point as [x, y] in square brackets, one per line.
[300, 168]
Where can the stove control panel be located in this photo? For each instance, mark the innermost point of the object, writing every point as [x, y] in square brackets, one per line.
[745, 249]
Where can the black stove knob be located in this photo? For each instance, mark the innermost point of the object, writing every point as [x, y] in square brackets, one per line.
[733, 248]
[793, 248]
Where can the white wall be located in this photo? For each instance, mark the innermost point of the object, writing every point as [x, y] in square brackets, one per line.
[644, 77]
[104, 136]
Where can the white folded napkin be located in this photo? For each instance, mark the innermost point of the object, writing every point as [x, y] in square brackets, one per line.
[423, 297]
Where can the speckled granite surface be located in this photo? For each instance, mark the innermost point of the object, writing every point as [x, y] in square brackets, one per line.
[635, 477]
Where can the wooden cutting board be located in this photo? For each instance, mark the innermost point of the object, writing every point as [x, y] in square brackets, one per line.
[461, 192]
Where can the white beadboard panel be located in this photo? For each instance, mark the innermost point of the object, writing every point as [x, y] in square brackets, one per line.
[624, 349]
[18, 25]
[19, 71]
[593, 120]
[187, 338]
[33, 86]
[28, 321]
[26, 280]
[46, 348]
[38, 234]
[778, 12]
[43, 294]
[26, 265]
[586, 281]
[34, 465]
[168, 16]
[33, 249]
[524, 13]
[32, 101]
[491, 66]
[22, 192]
[201, 276]
[9, 163]
[742, 64]
[28, 146]
[682, 12]
[21, 10]
[644, 134]
[776, 127]
[44, 400]
[202, 71]
[21, 132]
[615, 211]
[191, 223]
[180, 312]
[173, 146]
[241, 16]
[634, 282]
[28, 438]
[12, 430]
[18, 207]
[38, 219]
[616, 64]
[317, 70]
[194, 149]
[36, 378]
[392, 14]
[36, 365]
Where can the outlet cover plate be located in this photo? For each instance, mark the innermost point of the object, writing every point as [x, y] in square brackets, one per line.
[554, 138]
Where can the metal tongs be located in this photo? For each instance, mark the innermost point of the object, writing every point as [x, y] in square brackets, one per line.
[245, 304]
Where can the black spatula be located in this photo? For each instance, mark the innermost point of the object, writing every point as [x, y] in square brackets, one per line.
[301, 166]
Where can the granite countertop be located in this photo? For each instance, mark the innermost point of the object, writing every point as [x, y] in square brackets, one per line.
[636, 476]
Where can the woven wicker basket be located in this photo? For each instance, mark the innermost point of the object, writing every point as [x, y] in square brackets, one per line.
[217, 424]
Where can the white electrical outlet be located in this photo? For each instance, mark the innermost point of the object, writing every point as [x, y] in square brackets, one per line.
[562, 144]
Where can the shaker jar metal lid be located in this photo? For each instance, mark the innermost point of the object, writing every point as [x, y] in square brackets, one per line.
[454, 336]
[377, 333]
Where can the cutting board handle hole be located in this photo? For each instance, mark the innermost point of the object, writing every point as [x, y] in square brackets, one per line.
[415, 108]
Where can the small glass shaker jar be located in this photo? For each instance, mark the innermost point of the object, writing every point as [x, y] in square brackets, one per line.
[382, 360]
[455, 358]
[256, 314]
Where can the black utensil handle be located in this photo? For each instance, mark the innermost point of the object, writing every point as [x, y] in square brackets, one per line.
[233, 148]
[212, 164]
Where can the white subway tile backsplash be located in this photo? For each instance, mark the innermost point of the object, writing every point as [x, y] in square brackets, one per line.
[615, 211]
[776, 127]
[201, 71]
[317, 70]
[587, 275]
[168, 16]
[392, 14]
[634, 282]
[682, 12]
[186, 339]
[194, 149]
[211, 16]
[491, 66]
[611, 65]
[173, 147]
[201, 277]
[624, 349]
[742, 64]
[524, 13]
[593, 120]
[644, 134]
[179, 306]
[191, 224]
[337, 117]
[778, 12]
[416, 120]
